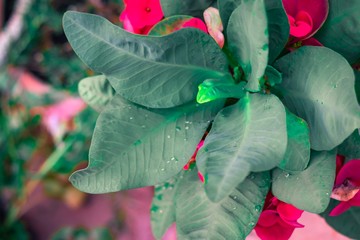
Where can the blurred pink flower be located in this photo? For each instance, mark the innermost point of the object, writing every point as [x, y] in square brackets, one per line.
[140, 15]
[278, 220]
[347, 185]
[305, 17]
[58, 118]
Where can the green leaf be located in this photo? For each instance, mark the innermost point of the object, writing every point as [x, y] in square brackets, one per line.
[297, 153]
[350, 148]
[248, 136]
[226, 8]
[133, 146]
[158, 72]
[318, 86]
[272, 76]
[310, 189]
[340, 31]
[357, 84]
[163, 206]
[248, 40]
[185, 7]
[169, 25]
[212, 89]
[232, 218]
[348, 223]
[279, 28]
[96, 91]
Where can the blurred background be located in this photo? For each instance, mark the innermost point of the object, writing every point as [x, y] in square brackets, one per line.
[45, 132]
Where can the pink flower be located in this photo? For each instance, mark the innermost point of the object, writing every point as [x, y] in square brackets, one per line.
[278, 220]
[195, 23]
[347, 185]
[305, 17]
[140, 15]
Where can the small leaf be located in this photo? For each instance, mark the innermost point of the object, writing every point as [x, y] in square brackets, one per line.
[248, 40]
[341, 29]
[279, 28]
[212, 89]
[163, 206]
[171, 66]
[350, 148]
[248, 136]
[272, 76]
[310, 189]
[96, 91]
[232, 218]
[169, 25]
[297, 153]
[348, 223]
[185, 7]
[318, 86]
[133, 146]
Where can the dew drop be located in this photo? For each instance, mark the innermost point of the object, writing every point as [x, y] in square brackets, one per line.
[143, 126]
[252, 176]
[167, 161]
[163, 169]
[187, 127]
[178, 129]
[185, 139]
[234, 208]
[287, 175]
[161, 211]
[131, 118]
[129, 107]
[168, 136]
[257, 208]
[173, 159]
[251, 224]
[327, 194]
[138, 142]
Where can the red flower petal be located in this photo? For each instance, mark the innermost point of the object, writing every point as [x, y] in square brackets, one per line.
[311, 42]
[196, 23]
[268, 218]
[288, 212]
[339, 209]
[302, 25]
[201, 177]
[350, 171]
[143, 13]
[318, 11]
[278, 231]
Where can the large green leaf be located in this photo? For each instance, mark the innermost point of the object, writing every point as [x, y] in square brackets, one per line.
[96, 91]
[163, 206]
[185, 7]
[341, 30]
[248, 41]
[350, 148]
[133, 146]
[157, 72]
[279, 28]
[357, 84]
[348, 223]
[310, 189]
[297, 153]
[232, 218]
[248, 136]
[226, 8]
[318, 86]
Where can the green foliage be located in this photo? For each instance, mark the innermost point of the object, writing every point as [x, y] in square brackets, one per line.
[96, 91]
[70, 233]
[323, 96]
[185, 7]
[122, 152]
[212, 89]
[346, 223]
[171, 66]
[297, 153]
[232, 218]
[248, 40]
[350, 148]
[309, 189]
[248, 136]
[341, 29]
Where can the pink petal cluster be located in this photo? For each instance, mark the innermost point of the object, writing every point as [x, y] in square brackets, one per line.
[140, 16]
[305, 16]
[347, 185]
[278, 220]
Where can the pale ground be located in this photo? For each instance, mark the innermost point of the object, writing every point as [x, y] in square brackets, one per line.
[315, 228]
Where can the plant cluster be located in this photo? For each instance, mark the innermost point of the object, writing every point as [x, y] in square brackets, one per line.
[267, 87]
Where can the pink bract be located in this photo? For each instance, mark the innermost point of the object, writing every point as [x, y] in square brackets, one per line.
[278, 220]
[214, 25]
[140, 15]
[303, 14]
[347, 185]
